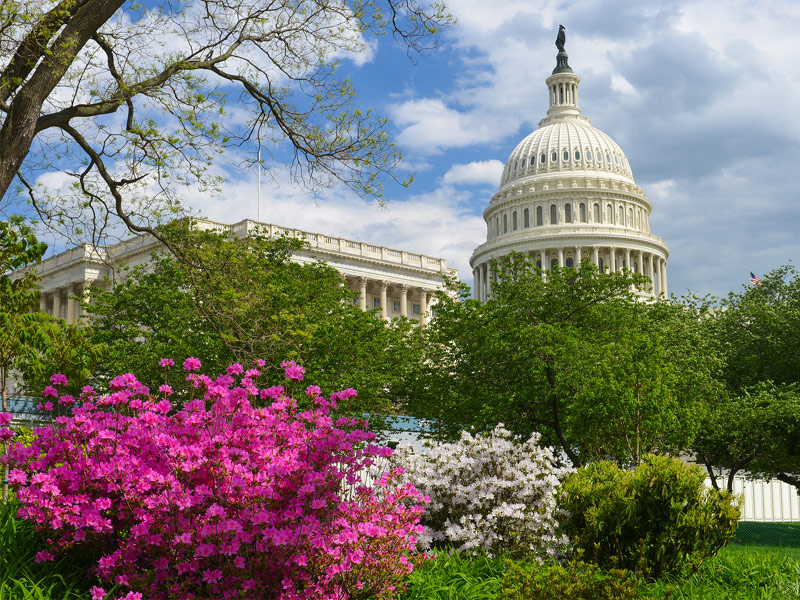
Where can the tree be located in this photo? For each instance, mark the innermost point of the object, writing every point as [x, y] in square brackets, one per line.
[21, 325]
[238, 300]
[128, 101]
[571, 354]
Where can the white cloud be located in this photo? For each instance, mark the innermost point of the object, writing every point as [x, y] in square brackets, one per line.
[484, 171]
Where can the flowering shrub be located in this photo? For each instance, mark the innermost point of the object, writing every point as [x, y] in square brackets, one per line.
[217, 498]
[490, 493]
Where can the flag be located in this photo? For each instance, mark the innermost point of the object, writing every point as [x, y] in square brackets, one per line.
[754, 280]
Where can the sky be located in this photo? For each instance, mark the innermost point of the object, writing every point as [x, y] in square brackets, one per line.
[700, 95]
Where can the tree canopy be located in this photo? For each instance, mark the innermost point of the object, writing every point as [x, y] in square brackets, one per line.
[572, 354]
[126, 102]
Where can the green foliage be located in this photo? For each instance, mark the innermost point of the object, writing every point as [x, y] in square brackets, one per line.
[23, 435]
[655, 520]
[576, 580]
[572, 354]
[453, 576]
[235, 300]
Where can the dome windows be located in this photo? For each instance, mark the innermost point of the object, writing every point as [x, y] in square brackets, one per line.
[543, 158]
[583, 212]
[514, 221]
[505, 223]
[526, 218]
[608, 158]
[596, 214]
[577, 154]
[588, 154]
[539, 216]
[568, 213]
[554, 156]
[565, 154]
[553, 215]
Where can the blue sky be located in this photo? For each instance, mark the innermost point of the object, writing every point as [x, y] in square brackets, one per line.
[701, 96]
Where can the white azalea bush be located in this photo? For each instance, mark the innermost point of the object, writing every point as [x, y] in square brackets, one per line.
[492, 493]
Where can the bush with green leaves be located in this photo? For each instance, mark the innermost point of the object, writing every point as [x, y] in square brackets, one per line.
[492, 493]
[576, 580]
[655, 520]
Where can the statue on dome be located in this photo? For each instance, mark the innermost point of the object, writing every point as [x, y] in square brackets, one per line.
[561, 38]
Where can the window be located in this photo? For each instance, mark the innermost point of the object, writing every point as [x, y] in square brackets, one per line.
[568, 213]
[583, 212]
[577, 154]
[554, 156]
[505, 223]
[526, 218]
[635, 267]
[553, 215]
[616, 159]
[569, 262]
[542, 158]
[621, 216]
[596, 213]
[588, 155]
[533, 160]
[609, 215]
[553, 264]
[601, 265]
[565, 154]
[514, 221]
[630, 217]
[608, 158]
[416, 309]
[376, 302]
[396, 305]
[539, 218]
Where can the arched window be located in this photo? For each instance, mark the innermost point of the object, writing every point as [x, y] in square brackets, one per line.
[588, 154]
[621, 216]
[568, 213]
[533, 160]
[505, 223]
[583, 212]
[601, 264]
[553, 215]
[565, 154]
[539, 217]
[596, 212]
[609, 215]
[538, 264]
[630, 217]
[569, 261]
[577, 154]
[526, 218]
[514, 220]
[543, 158]
[553, 264]
[554, 156]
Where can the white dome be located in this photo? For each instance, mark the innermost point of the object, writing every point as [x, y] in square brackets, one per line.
[566, 145]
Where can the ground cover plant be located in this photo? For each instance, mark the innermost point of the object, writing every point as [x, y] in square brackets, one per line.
[237, 493]
[491, 492]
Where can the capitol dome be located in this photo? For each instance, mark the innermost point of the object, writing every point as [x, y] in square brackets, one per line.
[567, 194]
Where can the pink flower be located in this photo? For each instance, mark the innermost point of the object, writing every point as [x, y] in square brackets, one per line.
[88, 390]
[67, 399]
[98, 593]
[235, 369]
[43, 557]
[273, 392]
[132, 596]
[313, 391]
[5, 418]
[17, 477]
[192, 364]
[212, 575]
[252, 373]
[260, 362]
[166, 362]
[6, 434]
[50, 391]
[58, 379]
[165, 389]
[293, 370]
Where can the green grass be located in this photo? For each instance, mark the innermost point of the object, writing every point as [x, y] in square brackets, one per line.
[452, 576]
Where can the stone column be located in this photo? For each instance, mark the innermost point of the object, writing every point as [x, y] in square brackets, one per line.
[560, 257]
[475, 278]
[384, 306]
[70, 305]
[404, 300]
[57, 304]
[596, 256]
[43, 302]
[545, 266]
[612, 259]
[489, 275]
[628, 258]
[664, 271]
[423, 307]
[640, 260]
[651, 274]
[578, 256]
[362, 294]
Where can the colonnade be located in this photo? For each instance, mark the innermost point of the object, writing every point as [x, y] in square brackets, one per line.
[393, 299]
[63, 303]
[605, 258]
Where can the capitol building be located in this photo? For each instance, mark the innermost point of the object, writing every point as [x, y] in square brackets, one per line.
[567, 194]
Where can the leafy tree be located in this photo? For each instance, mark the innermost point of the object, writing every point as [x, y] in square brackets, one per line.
[237, 300]
[572, 354]
[129, 99]
[758, 329]
[21, 330]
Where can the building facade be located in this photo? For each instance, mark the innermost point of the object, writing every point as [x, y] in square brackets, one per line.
[399, 283]
[567, 194]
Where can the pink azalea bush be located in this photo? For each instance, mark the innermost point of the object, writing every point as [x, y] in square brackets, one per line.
[218, 498]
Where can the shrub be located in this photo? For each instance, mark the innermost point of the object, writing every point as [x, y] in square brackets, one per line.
[574, 581]
[655, 520]
[490, 493]
[217, 498]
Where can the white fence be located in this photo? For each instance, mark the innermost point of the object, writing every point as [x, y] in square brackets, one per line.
[765, 502]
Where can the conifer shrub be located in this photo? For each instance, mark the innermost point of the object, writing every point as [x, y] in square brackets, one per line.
[489, 493]
[654, 520]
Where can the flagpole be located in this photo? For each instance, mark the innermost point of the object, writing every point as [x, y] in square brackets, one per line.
[258, 212]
